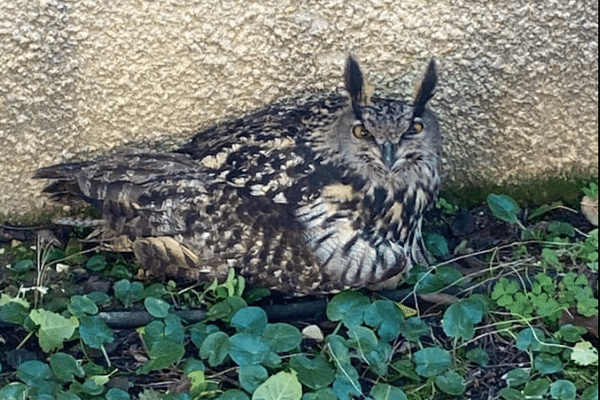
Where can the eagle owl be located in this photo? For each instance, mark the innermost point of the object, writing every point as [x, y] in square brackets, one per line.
[304, 197]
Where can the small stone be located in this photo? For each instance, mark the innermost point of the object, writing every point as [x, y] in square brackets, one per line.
[313, 332]
[589, 208]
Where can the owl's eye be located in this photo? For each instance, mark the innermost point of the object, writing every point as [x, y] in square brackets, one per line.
[419, 127]
[360, 132]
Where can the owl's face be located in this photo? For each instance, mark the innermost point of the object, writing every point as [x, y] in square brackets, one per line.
[388, 141]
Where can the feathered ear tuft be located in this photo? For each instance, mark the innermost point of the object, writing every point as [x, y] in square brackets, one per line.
[354, 78]
[426, 90]
[360, 91]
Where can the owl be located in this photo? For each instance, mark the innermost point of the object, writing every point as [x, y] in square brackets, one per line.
[307, 196]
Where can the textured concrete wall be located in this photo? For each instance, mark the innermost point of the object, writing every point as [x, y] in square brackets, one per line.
[518, 79]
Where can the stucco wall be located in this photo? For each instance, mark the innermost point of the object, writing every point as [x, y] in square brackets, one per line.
[517, 95]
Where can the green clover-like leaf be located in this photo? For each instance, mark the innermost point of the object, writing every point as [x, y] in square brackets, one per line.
[215, 347]
[348, 307]
[504, 207]
[432, 361]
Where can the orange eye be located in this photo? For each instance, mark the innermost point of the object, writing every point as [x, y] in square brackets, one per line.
[419, 127]
[360, 132]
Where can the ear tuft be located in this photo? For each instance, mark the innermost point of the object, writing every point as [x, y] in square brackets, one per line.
[354, 79]
[426, 89]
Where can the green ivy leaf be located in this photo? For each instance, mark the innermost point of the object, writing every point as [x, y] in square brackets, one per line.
[338, 348]
[451, 383]
[504, 207]
[152, 333]
[386, 317]
[120, 271]
[234, 394]
[346, 384]
[281, 386]
[382, 391]
[15, 391]
[173, 328]
[53, 254]
[157, 290]
[94, 332]
[193, 364]
[529, 339]
[90, 386]
[14, 312]
[315, 374]
[563, 390]
[570, 333]
[215, 347]
[158, 308]
[536, 388]
[516, 377]
[69, 396]
[348, 307]
[561, 228]
[282, 337]
[544, 209]
[250, 320]
[460, 317]
[116, 394]
[413, 328]
[34, 373]
[200, 331]
[443, 276]
[225, 309]
[362, 339]
[431, 361]
[547, 364]
[252, 376]
[590, 393]
[23, 266]
[96, 263]
[511, 394]
[65, 367]
[379, 358]
[6, 299]
[91, 368]
[437, 245]
[247, 349]
[54, 328]
[406, 369]
[99, 298]
[322, 394]
[80, 306]
[163, 354]
[479, 356]
[128, 292]
[73, 252]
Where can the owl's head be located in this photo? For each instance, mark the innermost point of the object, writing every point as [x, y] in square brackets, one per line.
[388, 140]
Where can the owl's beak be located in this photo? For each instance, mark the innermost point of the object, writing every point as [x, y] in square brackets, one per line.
[388, 154]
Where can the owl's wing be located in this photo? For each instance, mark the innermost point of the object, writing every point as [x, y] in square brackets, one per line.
[191, 221]
[134, 191]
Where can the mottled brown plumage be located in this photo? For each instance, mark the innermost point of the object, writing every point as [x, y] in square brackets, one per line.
[304, 196]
